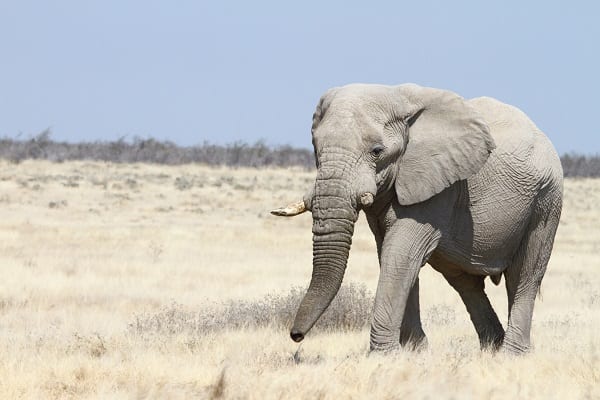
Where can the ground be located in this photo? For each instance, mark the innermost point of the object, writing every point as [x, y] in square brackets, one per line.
[150, 281]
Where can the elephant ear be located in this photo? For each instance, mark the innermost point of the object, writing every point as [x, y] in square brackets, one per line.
[447, 141]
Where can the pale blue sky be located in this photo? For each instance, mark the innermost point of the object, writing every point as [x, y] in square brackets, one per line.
[190, 71]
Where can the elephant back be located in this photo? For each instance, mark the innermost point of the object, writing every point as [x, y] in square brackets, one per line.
[519, 142]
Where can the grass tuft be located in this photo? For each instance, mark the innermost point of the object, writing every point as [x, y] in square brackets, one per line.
[349, 310]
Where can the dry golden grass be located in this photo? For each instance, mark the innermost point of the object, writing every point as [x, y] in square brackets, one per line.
[120, 281]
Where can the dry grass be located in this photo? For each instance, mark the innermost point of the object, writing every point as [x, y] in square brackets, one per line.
[146, 281]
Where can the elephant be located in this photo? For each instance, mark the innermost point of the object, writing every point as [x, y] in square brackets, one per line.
[471, 187]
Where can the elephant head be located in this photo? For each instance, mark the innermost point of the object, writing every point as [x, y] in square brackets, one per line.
[374, 143]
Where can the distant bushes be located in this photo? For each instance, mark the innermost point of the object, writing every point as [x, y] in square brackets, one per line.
[237, 154]
[577, 165]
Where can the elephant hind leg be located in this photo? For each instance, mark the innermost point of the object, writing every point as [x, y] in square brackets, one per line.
[524, 275]
[411, 330]
[484, 318]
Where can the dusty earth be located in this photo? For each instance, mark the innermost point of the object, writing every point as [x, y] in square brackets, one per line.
[112, 278]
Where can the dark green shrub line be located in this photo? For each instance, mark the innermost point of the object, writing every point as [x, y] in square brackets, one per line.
[238, 154]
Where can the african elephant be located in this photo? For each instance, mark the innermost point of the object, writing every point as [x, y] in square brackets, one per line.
[471, 187]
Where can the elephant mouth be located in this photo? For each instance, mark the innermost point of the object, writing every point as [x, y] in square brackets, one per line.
[366, 199]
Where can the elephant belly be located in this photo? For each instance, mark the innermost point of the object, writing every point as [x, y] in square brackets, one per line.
[488, 224]
[484, 253]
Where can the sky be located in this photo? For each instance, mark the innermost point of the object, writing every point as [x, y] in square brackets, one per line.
[226, 71]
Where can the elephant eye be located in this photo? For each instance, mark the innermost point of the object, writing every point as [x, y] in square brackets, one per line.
[377, 149]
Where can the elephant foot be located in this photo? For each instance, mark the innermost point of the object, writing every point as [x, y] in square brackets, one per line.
[384, 348]
[513, 348]
[514, 342]
[411, 343]
[492, 343]
[414, 341]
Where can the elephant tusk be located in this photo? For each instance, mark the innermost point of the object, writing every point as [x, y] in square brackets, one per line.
[290, 210]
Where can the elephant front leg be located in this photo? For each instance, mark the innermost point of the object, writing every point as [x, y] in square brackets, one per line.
[405, 249]
[412, 335]
[390, 304]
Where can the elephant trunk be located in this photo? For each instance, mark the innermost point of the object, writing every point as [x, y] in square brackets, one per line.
[334, 212]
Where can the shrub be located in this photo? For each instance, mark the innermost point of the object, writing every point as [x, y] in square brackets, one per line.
[349, 310]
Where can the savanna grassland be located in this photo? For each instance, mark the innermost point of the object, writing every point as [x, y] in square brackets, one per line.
[148, 281]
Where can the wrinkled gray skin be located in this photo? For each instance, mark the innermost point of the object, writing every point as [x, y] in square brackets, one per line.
[472, 187]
